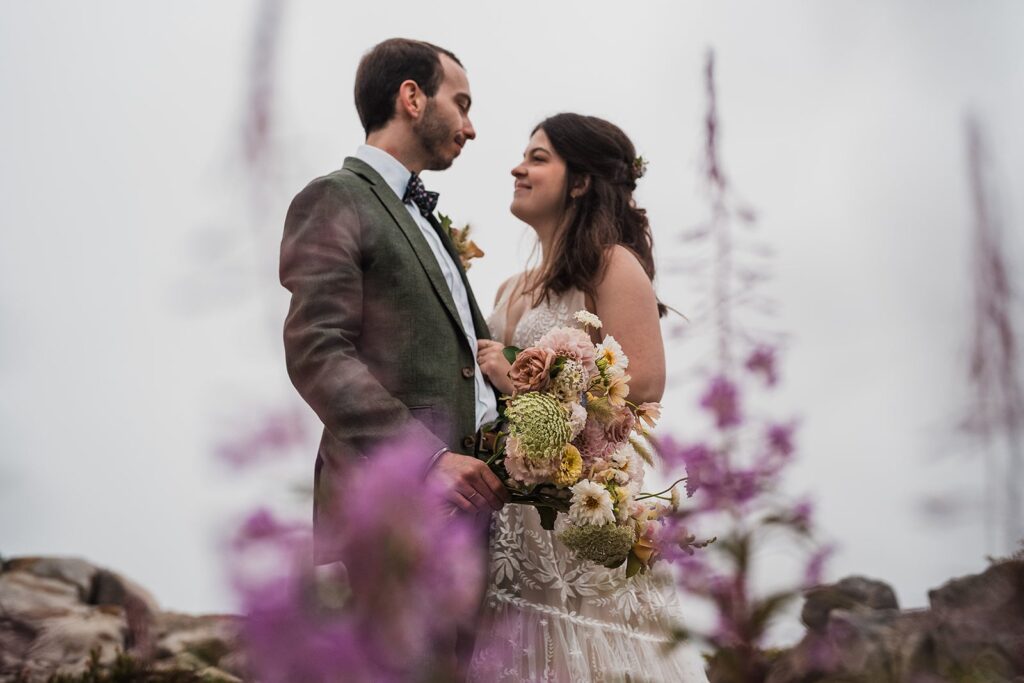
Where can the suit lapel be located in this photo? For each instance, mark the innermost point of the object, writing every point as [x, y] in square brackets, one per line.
[411, 231]
[480, 325]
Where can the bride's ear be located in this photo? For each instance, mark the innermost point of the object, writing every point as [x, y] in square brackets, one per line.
[580, 187]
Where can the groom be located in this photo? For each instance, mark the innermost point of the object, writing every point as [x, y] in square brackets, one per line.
[380, 338]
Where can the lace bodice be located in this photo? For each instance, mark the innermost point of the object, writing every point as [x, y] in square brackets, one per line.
[568, 620]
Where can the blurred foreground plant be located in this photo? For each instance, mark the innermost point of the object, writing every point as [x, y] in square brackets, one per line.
[735, 471]
[412, 576]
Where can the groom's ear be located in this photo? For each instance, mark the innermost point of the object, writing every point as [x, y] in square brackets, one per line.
[411, 99]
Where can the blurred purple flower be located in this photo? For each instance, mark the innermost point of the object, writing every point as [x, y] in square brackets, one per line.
[762, 362]
[780, 439]
[722, 399]
[815, 569]
[275, 434]
[414, 575]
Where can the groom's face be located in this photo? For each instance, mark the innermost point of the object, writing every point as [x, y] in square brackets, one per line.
[445, 127]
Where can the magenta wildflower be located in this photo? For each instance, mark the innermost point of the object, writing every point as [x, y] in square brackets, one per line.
[780, 439]
[762, 362]
[274, 434]
[722, 399]
[815, 569]
[414, 575]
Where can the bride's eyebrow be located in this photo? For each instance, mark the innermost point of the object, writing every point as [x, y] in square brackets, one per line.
[533, 150]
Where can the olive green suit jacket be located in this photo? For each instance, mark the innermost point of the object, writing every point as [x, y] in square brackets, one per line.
[373, 340]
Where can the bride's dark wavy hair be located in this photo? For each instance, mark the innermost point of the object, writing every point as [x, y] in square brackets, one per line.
[604, 215]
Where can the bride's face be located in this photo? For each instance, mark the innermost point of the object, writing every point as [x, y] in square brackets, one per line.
[539, 194]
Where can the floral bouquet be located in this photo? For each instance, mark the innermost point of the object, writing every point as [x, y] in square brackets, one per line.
[572, 443]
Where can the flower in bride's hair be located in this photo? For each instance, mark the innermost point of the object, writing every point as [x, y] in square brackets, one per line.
[577, 418]
[572, 343]
[569, 467]
[570, 382]
[540, 423]
[532, 369]
[606, 545]
[610, 357]
[587, 319]
[591, 504]
[649, 413]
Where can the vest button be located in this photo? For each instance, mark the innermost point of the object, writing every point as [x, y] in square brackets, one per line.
[469, 442]
[468, 371]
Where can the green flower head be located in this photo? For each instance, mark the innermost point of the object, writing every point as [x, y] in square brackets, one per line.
[607, 545]
[540, 423]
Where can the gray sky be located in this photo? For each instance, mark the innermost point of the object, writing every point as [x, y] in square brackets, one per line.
[140, 307]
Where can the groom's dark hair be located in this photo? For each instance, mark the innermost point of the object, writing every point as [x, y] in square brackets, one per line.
[385, 67]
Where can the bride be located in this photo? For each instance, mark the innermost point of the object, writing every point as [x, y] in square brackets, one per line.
[548, 616]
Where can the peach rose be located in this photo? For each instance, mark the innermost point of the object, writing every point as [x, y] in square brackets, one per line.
[532, 369]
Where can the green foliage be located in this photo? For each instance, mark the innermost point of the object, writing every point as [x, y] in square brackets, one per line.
[124, 669]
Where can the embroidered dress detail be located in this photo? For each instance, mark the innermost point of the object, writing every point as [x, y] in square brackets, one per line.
[550, 617]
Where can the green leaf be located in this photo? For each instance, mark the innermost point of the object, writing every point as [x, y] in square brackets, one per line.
[547, 517]
[615, 564]
[633, 566]
[510, 353]
[446, 221]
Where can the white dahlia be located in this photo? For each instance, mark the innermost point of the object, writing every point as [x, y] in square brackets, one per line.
[591, 504]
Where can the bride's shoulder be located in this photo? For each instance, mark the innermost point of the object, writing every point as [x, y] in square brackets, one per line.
[509, 286]
[622, 268]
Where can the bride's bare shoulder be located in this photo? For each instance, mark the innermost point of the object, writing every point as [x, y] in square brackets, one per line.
[622, 268]
[513, 284]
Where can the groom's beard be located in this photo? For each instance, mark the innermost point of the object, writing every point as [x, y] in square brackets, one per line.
[433, 135]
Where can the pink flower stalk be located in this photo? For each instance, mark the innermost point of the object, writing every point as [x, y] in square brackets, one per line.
[414, 575]
[762, 362]
[275, 434]
[722, 400]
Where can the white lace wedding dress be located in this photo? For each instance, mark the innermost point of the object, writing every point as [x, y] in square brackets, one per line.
[550, 617]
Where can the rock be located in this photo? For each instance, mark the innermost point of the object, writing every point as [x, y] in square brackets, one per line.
[854, 593]
[974, 631]
[57, 612]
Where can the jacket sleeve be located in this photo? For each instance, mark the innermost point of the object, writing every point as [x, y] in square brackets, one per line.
[322, 266]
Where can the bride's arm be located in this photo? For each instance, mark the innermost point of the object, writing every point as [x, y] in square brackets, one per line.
[625, 301]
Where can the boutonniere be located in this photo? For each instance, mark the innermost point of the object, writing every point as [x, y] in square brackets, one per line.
[464, 247]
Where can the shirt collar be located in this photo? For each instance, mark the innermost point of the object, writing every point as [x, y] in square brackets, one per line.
[390, 169]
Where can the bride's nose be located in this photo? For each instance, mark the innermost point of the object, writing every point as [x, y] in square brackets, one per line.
[518, 171]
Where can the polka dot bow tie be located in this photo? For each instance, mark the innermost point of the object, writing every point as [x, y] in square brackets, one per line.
[416, 193]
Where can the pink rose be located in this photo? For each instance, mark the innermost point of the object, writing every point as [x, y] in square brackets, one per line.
[532, 369]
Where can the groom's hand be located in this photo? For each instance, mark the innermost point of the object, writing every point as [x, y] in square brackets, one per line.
[491, 357]
[469, 484]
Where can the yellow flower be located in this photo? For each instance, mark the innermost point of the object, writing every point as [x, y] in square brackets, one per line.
[570, 468]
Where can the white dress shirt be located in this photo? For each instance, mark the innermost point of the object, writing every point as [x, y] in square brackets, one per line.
[397, 177]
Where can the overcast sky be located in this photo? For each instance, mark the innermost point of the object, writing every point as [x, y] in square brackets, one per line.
[140, 309]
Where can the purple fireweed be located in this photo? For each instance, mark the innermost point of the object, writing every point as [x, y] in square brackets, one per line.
[722, 400]
[276, 433]
[413, 576]
[762, 362]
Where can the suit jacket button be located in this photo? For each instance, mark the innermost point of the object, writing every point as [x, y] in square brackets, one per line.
[468, 371]
[469, 442]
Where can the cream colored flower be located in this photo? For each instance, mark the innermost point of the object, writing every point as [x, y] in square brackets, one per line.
[577, 419]
[591, 504]
[587, 319]
[610, 352]
[618, 390]
[676, 501]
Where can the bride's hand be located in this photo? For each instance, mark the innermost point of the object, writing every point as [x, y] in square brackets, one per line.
[489, 354]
